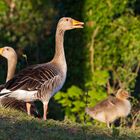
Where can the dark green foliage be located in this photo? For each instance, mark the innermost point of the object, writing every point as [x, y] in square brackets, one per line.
[116, 44]
[25, 27]
[71, 101]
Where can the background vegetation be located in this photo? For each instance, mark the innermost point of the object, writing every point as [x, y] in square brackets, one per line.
[101, 58]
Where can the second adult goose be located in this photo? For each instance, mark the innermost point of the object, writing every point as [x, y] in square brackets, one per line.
[42, 81]
[11, 56]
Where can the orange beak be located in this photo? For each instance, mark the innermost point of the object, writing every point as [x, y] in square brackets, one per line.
[1, 50]
[77, 24]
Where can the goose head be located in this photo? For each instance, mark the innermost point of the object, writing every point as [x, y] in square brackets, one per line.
[122, 94]
[8, 53]
[67, 23]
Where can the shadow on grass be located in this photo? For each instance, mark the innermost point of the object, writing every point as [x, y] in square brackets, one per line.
[34, 129]
[16, 125]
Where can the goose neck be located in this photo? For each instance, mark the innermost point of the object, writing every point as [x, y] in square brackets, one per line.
[59, 46]
[11, 68]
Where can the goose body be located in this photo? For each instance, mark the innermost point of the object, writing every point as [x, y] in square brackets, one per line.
[11, 56]
[37, 82]
[42, 81]
[111, 108]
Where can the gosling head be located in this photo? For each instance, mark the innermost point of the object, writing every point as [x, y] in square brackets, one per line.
[122, 94]
[8, 52]
[67, 23]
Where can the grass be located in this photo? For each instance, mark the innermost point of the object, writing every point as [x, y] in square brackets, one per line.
[15, 125]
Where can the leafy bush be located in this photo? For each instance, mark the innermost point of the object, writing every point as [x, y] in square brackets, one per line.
[112, 36]
[112, 32]
[75, 100]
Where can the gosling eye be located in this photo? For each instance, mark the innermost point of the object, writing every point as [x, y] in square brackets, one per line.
[67, 19]
[7, 49]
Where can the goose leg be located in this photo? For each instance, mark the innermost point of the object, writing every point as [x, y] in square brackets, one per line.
[45, 108]
[107, 121]
[28, 107]
[108, 125]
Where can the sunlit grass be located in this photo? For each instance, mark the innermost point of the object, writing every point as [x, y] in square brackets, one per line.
[16, 125]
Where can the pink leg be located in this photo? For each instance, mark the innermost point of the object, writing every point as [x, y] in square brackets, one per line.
[45, 107]
[28, 107]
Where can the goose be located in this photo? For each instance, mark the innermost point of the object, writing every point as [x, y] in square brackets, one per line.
[11, 56]
[111, 108]
[42, 81]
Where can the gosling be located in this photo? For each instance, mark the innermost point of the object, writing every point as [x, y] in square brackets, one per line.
[110, 109]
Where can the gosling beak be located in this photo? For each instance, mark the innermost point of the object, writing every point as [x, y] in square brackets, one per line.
[77, 24]
[1, 50]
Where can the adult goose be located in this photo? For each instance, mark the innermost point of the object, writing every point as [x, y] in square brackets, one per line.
[42, 81]
[11, 56]
[111, 108]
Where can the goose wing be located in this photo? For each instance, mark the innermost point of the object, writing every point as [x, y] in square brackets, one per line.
[32, 78]
[106, 104]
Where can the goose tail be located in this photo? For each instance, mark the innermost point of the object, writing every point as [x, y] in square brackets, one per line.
[4, 94]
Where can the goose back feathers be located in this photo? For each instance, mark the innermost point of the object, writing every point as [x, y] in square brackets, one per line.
[42, 79]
